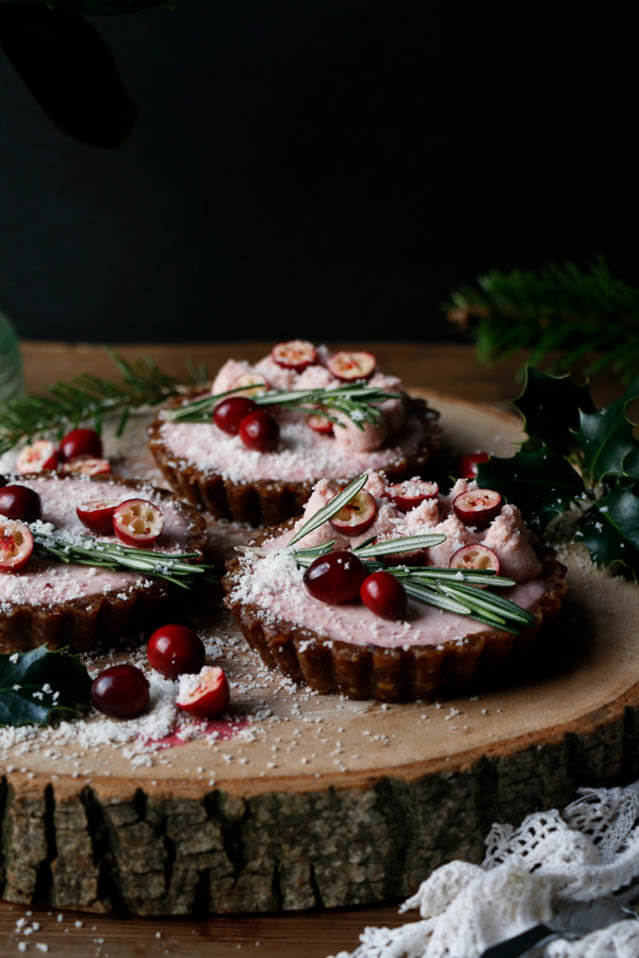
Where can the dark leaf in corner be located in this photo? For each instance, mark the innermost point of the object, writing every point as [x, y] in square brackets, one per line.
[107, 8]
[38, 686]
[551, 405]
[70, 71]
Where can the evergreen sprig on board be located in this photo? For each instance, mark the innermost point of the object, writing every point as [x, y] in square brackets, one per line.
[580, 313]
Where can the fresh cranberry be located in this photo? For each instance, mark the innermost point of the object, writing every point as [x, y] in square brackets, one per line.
[350, 366]
[229, 413]
[86, 466]
[384, 595]
[477, 507]
[475, 556]
[356, 516]
[252, 384]
[296, 354]
[259, 431]
[321, 424]
[16, 545]
[137, 522]
[20, 502]
[121, 691]
[411, 493]
[97, 515]
[81, 442]
[211, 695]
[175, 649]
[335, 577]
[468, 464]
[37, 457]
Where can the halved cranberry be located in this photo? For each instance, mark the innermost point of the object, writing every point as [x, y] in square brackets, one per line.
[229, 413]
[468, 464]
[384, 595]
[86, 466]
[175, 649]
[477, 507]
[16, 545]
[137, 522]
[356, 516]
[252, 384]
[349, 366]
[296, 354]
[20, 502]
[97, 515]
[475, 556]
[38, 456]
[321, 424]
[210, 696]
[121, 691]
[259, 431]
[81, 442]
[335, 577]
[411, 493]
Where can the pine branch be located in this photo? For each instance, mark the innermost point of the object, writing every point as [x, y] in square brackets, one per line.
[88, 398]
[559, 308]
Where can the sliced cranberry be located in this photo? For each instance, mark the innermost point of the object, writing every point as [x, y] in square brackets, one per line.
[81, 442]
[252, 384]
[20, 502]
[356, 516]
[211, 695]
[121, 691]
[137, 522]
[97, 515]
[475, 556]
[349, 366]
[321, 424]
[259, 431]
[384, 595]
[86, 466]
[411, 493]
[16, 545]
[229, 413]
[296, 354]
[37, 457]
[477, 507]
[335, 577]
[468, 464]
[173, 650]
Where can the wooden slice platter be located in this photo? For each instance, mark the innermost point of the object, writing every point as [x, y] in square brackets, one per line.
[303, 800]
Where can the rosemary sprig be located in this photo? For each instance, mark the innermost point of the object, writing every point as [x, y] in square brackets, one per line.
[86, 550]
[88, 398]
[331, 508]
[356, 402]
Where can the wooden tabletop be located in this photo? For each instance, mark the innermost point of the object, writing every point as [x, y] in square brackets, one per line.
[444, 368]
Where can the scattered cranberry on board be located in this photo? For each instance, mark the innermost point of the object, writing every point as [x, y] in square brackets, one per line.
[336, 577]
[121, 691]
[20, 502]
[468, 464]
[16, 545]
[137, 522]
[174, 650]
[206, 695]
[475, 556]
[229, 413]
[477, 507]
[384, 595]
[37, 457]
[350, 366]
[81, 442]
[356, 516]
[296, 354]
[259, 431]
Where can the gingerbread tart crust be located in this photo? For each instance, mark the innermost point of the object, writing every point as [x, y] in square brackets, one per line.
[266, 502]
[105, 619]
[398, 674]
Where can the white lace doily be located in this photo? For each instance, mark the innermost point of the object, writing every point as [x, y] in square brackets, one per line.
[552, 860]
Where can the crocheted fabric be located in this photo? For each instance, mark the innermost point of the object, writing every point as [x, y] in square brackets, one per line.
[553, 861]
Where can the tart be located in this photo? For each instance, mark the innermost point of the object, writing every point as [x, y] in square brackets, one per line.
[427, 652]
[220, 472]
[47, 602]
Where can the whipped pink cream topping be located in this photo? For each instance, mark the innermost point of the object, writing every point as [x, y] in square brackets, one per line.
[274, 584]
[301, 454]
[46, 582]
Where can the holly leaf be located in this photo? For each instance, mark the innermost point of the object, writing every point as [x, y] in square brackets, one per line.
[536, 479]
[550, 407]
[39, 686]
[610, 530]
[607, 441]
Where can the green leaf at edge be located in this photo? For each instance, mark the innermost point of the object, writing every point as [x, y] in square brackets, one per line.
[607, 440]
[550, 407]
[31, 670]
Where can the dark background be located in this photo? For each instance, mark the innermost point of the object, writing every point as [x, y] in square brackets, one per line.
[320, 169]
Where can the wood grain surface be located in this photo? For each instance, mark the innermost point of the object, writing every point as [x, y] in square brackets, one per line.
[444, 368]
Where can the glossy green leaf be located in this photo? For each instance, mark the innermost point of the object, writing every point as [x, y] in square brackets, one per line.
[550, 406]
[38, 686]
[610, 530]
[606, 439]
